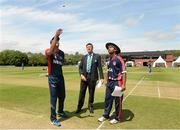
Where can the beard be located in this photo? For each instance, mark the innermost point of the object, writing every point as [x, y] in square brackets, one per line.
[111, 52]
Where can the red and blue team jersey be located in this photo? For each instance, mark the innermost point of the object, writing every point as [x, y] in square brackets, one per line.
[55, 62]
[116, 68]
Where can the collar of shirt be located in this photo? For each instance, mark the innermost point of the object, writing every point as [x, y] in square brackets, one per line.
[112, 58]
[90, 54]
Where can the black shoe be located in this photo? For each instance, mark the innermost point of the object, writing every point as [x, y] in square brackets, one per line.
[63, 115]
[78, 111]
[91, 110]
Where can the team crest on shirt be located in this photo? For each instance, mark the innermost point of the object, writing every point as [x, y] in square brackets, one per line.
[114, 63]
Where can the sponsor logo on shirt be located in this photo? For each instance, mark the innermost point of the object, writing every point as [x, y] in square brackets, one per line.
[57, 62]
[57, 59]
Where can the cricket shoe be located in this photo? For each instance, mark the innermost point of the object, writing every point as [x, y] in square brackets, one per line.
[114, 121]
[56, 122]
[101, 119]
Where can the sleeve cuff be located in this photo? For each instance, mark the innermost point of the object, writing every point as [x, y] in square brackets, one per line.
[124, 71]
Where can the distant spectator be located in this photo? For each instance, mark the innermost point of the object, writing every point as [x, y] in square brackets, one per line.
[150, 66]
[22, 66]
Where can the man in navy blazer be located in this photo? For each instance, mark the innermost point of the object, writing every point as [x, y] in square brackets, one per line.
[89, 66]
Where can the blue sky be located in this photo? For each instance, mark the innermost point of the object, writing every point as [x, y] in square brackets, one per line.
[134, 25]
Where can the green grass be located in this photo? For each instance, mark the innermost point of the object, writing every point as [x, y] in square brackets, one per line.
[24, 98]
[151, 113]
[166, 74]
[138, 112]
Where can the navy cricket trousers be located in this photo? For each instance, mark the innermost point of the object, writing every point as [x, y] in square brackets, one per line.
[57, 91]
[109, 101]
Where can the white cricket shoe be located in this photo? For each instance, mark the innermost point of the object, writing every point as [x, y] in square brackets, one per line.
[101, 119]
[114, 121]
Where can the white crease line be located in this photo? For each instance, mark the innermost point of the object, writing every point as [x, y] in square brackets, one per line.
[134, 88]
[156, 96]
[124, 99]
[159, 94]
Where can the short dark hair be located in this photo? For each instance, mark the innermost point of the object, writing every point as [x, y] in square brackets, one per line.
[53, 39]
[89, 44]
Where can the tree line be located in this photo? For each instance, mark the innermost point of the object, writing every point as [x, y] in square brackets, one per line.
[17, 58]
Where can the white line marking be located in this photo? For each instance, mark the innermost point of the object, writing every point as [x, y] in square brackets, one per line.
[124, 99]
[134, 88]
[156, 96]
[159, 94]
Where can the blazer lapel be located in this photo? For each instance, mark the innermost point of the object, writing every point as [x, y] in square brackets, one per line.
[85, 62]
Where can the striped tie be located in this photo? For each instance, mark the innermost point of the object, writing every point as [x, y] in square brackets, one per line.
[89, 61]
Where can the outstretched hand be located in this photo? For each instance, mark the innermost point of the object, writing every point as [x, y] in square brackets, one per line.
[59, 32]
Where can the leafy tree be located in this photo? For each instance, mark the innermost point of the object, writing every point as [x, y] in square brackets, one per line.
[36, 59]
[11, 57]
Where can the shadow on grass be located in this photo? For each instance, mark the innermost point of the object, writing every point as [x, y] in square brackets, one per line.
[99, 105]
[127, 115]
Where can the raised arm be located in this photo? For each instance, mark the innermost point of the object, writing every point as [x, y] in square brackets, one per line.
[54, 41]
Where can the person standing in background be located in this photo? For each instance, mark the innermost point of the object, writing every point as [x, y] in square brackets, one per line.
[55, 59]
[116, 78]
[88, 69]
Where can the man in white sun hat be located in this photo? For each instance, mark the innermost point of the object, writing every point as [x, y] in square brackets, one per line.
[116, 78]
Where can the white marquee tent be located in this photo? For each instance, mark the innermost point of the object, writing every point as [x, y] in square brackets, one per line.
[176, 63]
[129, 63]
[160, 62]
